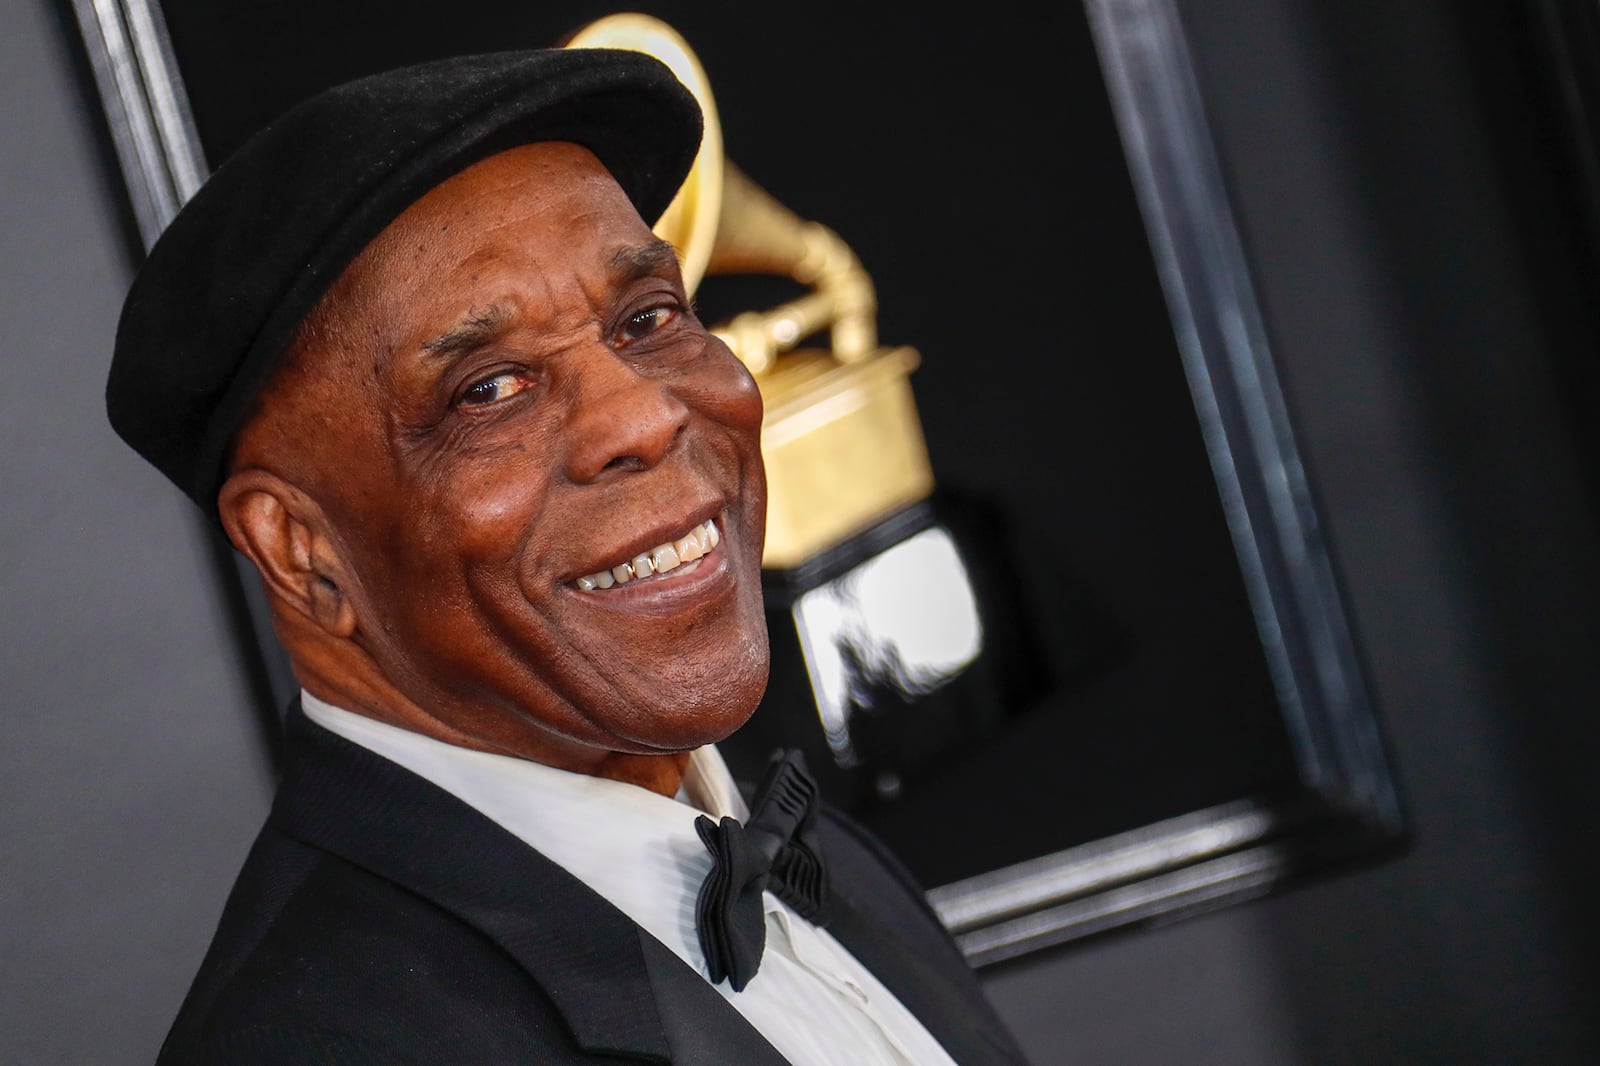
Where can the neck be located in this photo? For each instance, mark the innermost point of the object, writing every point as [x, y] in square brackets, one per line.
[346, 677]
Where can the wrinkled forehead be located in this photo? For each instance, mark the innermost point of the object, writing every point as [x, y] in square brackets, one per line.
[540, 209]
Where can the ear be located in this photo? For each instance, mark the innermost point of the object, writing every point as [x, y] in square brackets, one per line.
[286, 535]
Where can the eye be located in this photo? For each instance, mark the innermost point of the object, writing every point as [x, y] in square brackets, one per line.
[648, 321]
[493, 389]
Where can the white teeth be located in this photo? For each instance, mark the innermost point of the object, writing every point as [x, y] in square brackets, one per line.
[688, 548]
[658, 560]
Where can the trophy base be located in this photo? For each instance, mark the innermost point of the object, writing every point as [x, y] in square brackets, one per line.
[843, 449]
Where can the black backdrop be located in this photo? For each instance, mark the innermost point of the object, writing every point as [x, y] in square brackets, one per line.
[973, 166]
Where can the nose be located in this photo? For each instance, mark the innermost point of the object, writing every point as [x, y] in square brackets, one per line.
[621, 418]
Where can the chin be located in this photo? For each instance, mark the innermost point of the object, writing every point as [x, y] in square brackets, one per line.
[714, 712]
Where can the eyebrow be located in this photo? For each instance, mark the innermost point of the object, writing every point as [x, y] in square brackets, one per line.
[485, 325]
[642, 260]
[482, 326]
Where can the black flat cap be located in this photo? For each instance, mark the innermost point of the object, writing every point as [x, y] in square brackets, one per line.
[226, 286]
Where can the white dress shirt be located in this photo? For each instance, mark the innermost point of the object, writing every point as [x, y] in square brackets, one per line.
[811, 999]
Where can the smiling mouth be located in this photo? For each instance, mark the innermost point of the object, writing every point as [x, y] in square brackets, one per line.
[663, 558]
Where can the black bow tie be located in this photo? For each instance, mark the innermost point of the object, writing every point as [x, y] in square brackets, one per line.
[776, 850]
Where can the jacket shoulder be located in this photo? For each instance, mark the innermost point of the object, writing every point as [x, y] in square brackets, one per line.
[898, 898]
[316, 959]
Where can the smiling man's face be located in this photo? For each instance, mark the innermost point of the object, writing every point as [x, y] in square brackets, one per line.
[529, 476]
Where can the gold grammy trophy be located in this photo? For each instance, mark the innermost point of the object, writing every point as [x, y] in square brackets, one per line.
[871, 606]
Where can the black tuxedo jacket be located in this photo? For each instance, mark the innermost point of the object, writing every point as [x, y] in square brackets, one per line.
[378, 919]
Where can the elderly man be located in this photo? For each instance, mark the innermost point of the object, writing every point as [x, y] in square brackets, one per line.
[418, 351]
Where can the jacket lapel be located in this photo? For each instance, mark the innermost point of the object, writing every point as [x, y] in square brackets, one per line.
[969, 1037]
[686, 1001]
[585, 954]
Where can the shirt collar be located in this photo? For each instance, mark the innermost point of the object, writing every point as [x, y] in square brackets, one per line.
[636, 848]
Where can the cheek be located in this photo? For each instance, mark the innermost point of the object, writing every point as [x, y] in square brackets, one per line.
[738, 399]
[726, 394]
[742, 412]
[721, 386]
[735, 403]
[472, 522]
[496, 512]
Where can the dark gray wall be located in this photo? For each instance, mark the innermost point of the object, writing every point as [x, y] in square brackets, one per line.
[130, 778]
